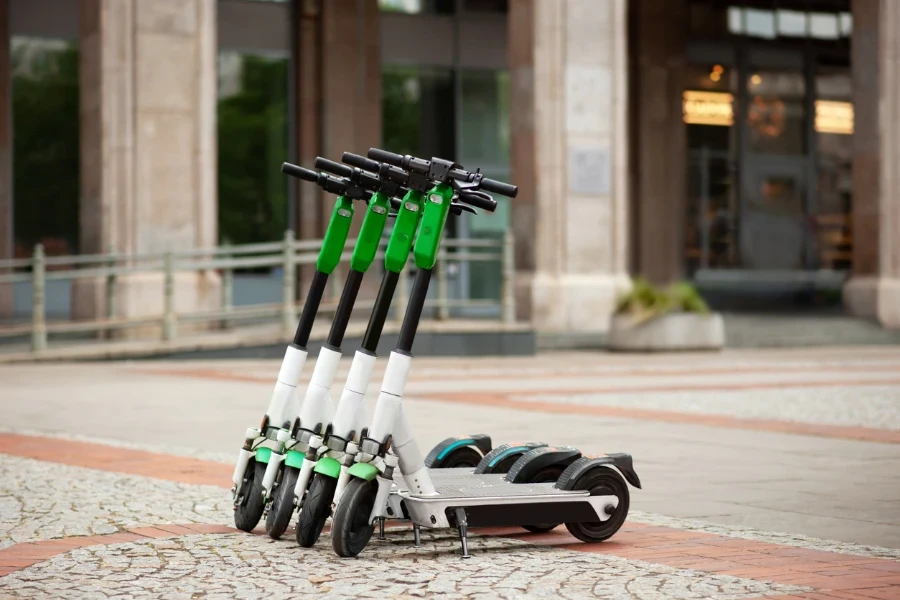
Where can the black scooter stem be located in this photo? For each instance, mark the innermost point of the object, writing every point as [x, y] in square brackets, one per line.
[414, 311]
[380, 312]
[344, 309]
[310, 308]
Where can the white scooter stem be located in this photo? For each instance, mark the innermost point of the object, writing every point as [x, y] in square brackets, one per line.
[316, 409]
[283, 403]
[350, 415]
[390, 420]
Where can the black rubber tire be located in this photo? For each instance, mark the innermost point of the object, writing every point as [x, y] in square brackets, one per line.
[547, 474]
[282, 508]
[250, 506]
[350, 529]
[602, 481]
[464, 456]
[315, 510]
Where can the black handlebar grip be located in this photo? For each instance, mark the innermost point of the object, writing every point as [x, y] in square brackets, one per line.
[360, 162]
[333, 167]
[385, 156]
[478, 200]
[299, 172]
[498, 187]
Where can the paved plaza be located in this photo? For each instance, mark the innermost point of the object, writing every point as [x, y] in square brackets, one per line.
[769, 474]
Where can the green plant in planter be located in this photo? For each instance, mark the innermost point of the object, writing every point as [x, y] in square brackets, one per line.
[645, 301]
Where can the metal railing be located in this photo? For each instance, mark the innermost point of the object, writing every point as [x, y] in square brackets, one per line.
[289, 254]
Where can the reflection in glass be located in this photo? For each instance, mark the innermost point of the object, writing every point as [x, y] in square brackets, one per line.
[253, 141]
[45, 122]
[775, 112]
[417, 111]
[834, 145]
[708, 106]
[417, 6]
[484, 143]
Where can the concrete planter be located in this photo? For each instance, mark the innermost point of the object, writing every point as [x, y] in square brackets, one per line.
[669, 333]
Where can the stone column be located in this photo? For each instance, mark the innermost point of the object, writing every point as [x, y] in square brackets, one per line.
[658, 134]
[6, 186]
[873, 291]
[148, 145]
[569, 158]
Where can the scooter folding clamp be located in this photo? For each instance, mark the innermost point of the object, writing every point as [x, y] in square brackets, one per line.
[370, 446]
[338, 444]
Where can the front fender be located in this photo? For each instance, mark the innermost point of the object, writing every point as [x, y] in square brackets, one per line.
[328, 466]
[622, 462]
[263, 454]
[294, 459]
[363, 471]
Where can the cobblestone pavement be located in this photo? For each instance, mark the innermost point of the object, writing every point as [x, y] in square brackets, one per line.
[766, 474]
[233, 566]
[43, 501]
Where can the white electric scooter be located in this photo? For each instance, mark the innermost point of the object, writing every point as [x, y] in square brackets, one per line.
[588, 496]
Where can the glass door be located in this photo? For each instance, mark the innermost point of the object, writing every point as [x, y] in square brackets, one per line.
[774, 230]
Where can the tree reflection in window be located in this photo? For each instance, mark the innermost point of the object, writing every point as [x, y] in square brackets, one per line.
[45, 144]
[253, 142]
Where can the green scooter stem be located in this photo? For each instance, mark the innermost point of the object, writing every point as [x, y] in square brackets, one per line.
[395, 258]
[363, 256]
[329, 257]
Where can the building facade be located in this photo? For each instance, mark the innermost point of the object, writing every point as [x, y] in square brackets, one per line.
[744, 145]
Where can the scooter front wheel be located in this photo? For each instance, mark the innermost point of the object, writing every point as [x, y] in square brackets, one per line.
[315, 510]
[282, 508]
[350, 528]
[250, 505]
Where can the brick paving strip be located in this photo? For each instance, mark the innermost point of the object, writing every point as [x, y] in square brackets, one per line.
[522, 399]
[832, 575]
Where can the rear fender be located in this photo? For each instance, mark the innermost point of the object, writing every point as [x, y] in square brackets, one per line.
[503, 454]
[528, 465]
[443, 450]
[622, 462]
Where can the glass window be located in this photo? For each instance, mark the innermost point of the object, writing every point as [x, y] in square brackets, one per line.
[712, 202]
[776, 112]
[834, 145]
[484, 144]
[418, 111]
[417, 6]
[253, 142]
[45, 121]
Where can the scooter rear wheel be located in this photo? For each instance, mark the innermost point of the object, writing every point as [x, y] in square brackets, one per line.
[350, 528]
[602, 481]
[315, 510]
[250, 504]
[282, 508]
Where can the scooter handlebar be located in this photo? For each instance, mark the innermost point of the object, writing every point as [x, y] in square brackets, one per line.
[360, 162]
[333, 167]
[299, 172]
[498, 187]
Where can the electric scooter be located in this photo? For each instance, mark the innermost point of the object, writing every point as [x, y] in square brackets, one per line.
[287, 471]
[260, 443]
[590, 496]
[341, 443]
[316, 408]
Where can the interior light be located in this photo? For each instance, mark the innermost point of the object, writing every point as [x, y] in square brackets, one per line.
[756, 79]
[708, 108]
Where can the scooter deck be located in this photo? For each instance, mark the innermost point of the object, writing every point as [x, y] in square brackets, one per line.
[491, 500]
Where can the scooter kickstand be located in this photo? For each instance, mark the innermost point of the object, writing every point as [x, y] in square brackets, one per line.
[417, 537]
[461, 521]
[380, 528]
